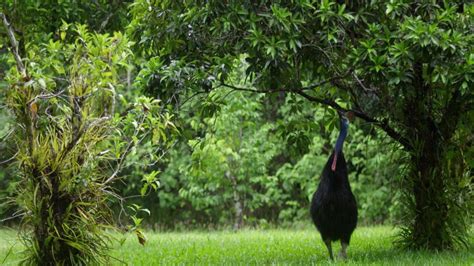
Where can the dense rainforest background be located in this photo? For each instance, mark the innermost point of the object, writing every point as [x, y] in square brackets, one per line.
[221, 114]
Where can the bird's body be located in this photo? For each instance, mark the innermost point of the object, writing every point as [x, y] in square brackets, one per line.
[333, 207]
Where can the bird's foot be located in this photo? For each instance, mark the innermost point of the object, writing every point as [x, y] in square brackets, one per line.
[343, 252]
[328, 245]
[343, 255]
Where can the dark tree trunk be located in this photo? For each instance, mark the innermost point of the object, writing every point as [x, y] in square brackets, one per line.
[437, 222]
[52, 207]
[439, 196]
[431, 205]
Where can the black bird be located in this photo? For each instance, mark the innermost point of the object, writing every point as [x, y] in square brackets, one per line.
[334, 208]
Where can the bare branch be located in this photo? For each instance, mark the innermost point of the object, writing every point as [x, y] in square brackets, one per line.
[309, 87]
[361, 84]
[124, 155]
[44, 96]
[15, 215]
[10, 159]
[249, 90]
[190, 97]
[162, 154]
[105, 22]
[328, 80]
[327, 102]
[19, 64]
[80, 133]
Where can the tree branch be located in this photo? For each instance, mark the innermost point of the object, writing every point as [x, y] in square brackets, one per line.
[124, 155]
[251, 90]
[309, 87]
[384, 125]
[19, 64]
[329, 80]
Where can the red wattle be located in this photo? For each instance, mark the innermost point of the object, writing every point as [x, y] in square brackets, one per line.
[333, 166]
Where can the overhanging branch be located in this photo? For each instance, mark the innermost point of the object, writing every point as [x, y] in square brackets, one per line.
[309, 87]
[384, 125]
[14, 43]
[381, 124]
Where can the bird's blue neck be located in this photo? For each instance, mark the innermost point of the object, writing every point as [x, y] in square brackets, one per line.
[340, 142]
[342, 136]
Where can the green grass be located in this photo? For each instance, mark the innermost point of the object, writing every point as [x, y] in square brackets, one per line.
[369, 246]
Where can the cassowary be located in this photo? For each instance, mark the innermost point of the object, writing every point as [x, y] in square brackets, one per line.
[333, 208]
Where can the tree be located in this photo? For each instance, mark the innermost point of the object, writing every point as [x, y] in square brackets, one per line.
[407, 67]
[233, 156]
[71, 137]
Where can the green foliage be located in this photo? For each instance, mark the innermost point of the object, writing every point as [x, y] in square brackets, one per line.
[249, 152]
[72, 143]
[32, 17]
[406, 67]
[39, 21]
[7, 175]
[232, 157]
[274, 178]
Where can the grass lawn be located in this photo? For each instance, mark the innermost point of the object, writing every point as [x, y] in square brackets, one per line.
[370, 246]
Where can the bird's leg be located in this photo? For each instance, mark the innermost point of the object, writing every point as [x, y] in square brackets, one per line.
[328, 245]
[343, 253]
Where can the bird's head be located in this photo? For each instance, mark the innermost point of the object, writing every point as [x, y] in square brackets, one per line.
[345, 118]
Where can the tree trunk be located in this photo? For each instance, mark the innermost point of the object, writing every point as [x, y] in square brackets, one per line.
[51, 209]
[239, 219]
[440, 198]
[431, 207]
[238, 206]
[438, 223]
[432, 201]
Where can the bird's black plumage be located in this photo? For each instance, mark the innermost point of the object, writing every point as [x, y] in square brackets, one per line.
[334, 208]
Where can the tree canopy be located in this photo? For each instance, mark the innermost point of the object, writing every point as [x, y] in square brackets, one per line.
[375, 56]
